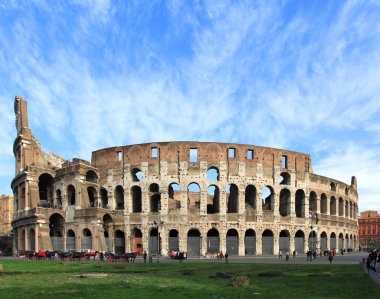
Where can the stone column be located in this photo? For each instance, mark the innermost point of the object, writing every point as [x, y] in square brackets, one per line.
[241, 243]
[241, 207]
[259, 243]
[222, 202]
[203, 203]
[164, 240]
[276, 241]
[291, 243]
[203, 244]
[164, 202]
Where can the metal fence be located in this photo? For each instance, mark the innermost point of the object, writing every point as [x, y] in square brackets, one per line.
[250, 245]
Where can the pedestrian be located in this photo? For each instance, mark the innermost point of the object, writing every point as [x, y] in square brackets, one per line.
[294, 254]
[180, 257]
[144, 256]
[287, 255]
[280, 254]
[226, 257]
[331, 258]
[368, 264]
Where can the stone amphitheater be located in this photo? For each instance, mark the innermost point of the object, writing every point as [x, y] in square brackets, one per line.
[196, 197]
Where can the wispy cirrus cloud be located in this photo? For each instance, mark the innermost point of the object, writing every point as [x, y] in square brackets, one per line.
[288, 75]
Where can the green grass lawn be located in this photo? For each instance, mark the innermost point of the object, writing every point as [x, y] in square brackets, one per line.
[38, 279]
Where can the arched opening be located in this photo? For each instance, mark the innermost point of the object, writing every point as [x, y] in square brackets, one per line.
[153, 241]
[300, 242]
[232, 193]
[213, 174]
[136, 199]
[107, 227]
[341, 242]
[119, 242]
[250, 242]
[267, 242]
[313, 240]
[70, 240]
[351, 207]
[232, 242]
[137, 175]
[174, 191]
[284, 245]
[104, 198]
[45, 188]
[332, 206]
[332, 186]
[137, 245]
[268, 198]
[193, 197]
[284, 205]
[250, 197]
[323, 203]
[313, 201]
[212, 199]
[300, 204]
[323, 242]
[346, 244]
[155, 198]
[22, 240]
[332, 241]
[56, 228]
[32, 240]
[346, 209]
[213, 241]
[119, 197]
[71, 195]
[91, 196]
[285, 178]
[86, 240]
[341, 206]
[193, 243]
[173, 240]
[91, 176]
[58, 195]
[351, 245]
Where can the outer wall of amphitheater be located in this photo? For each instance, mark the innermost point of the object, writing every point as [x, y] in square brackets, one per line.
[197, 197]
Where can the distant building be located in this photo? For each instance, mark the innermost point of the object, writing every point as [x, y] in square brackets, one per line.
[369, 228]
[6, 214]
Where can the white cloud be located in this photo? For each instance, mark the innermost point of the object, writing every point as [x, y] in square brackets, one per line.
[96, 76]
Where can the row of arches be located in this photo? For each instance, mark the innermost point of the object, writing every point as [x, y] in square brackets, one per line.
[230, 240]
[332, 206]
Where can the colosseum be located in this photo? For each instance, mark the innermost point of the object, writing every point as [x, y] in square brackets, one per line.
[197, 197]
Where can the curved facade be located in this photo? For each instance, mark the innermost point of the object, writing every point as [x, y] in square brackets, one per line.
[198, 197]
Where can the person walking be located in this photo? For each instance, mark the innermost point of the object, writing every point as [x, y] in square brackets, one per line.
[331, 258]
[226, 257]
[280, 254]
[144, 256]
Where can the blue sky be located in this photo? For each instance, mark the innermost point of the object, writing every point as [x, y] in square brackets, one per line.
[298, 75]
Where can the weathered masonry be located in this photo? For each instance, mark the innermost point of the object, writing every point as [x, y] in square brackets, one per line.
[198, 197]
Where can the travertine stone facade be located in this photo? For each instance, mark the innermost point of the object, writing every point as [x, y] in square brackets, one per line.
[198, 197]
[6, 215]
